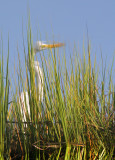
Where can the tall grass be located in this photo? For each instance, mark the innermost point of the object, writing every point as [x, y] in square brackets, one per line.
[4, 94]
[75, 119]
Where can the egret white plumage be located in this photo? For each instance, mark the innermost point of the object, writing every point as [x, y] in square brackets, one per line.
[24, 97]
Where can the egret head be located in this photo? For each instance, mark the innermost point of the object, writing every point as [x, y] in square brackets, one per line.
[39, 46]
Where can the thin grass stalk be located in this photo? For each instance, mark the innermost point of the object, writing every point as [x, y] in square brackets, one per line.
[4, 94]
[2, 90]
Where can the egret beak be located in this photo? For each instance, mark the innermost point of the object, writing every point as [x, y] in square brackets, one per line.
[45, 46]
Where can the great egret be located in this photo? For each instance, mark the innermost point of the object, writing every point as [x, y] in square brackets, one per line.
[24, 97]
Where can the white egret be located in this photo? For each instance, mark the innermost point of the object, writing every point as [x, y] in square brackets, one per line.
[24, 97]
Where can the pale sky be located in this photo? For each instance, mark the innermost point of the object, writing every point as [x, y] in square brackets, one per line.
[63, 20]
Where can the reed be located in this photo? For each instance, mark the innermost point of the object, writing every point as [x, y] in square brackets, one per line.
[4, 94]
[75, 120]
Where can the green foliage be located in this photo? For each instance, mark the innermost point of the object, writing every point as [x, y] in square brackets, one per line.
[75, 119]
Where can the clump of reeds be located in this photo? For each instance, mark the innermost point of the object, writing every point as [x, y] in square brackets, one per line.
[75, 120]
